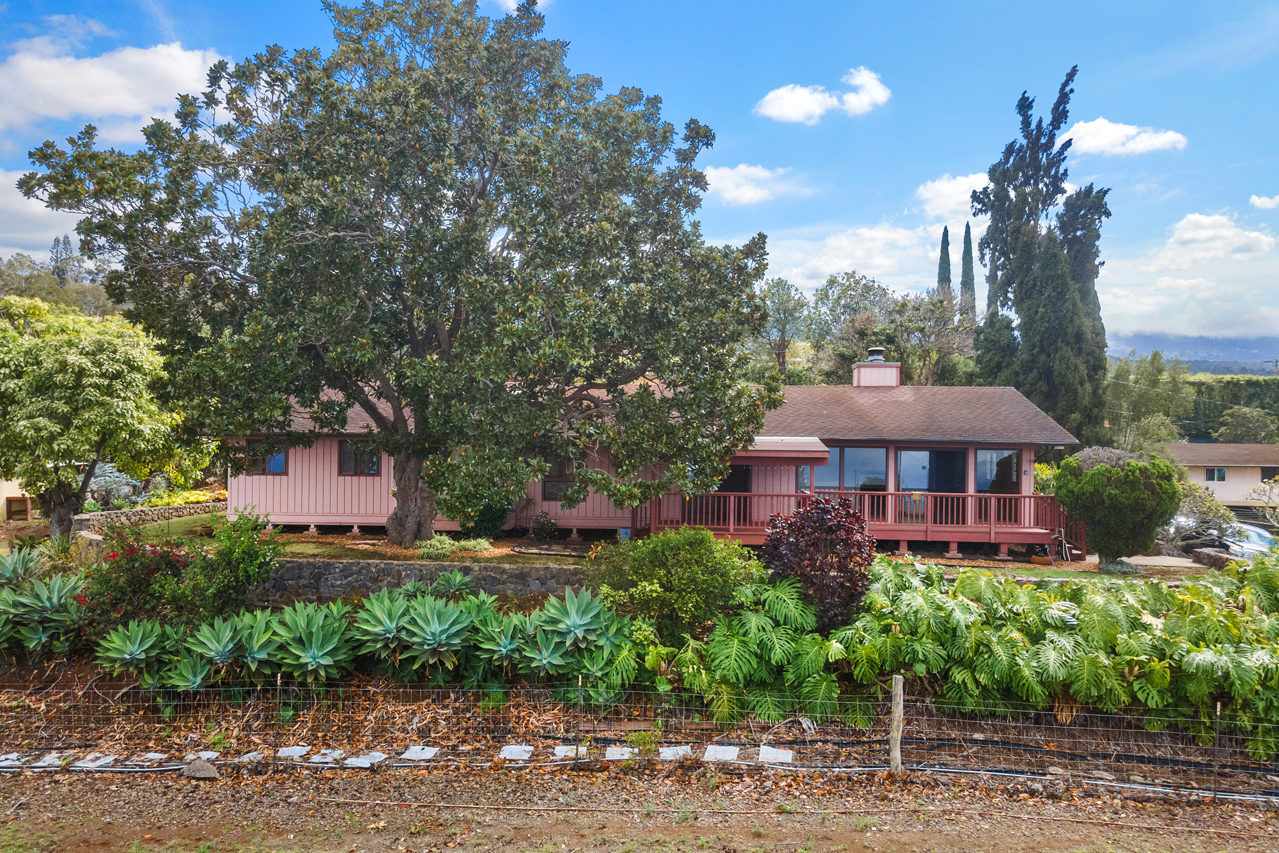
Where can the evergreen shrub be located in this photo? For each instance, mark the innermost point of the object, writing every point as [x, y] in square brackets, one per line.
[1125, 499]
[679, 579]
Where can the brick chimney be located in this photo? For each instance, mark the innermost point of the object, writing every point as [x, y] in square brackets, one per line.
[874, 371]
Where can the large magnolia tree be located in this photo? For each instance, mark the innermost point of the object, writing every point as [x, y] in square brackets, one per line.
[439, 225]
[76, 391]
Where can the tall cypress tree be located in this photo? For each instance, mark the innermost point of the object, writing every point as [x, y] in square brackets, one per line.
[943, 268]
[1026, 184]
[967, 281]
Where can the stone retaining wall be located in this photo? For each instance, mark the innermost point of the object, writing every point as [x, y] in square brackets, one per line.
[97, 522]
[325, 580]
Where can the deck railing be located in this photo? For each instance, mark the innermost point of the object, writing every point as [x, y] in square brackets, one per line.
[889, 515]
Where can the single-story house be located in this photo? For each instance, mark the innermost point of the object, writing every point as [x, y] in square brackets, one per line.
[923, 464]
[1229, 471]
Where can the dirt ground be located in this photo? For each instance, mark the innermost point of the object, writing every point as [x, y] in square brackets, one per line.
[680, 809]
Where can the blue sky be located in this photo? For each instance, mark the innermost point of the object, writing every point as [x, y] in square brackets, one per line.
[849, 133]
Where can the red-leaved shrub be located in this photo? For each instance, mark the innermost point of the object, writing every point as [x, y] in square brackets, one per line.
[826, 548]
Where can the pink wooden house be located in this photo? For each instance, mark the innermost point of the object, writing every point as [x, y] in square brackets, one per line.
[944, 465]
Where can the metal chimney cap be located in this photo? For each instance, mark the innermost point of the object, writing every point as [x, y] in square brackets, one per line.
[875, 355]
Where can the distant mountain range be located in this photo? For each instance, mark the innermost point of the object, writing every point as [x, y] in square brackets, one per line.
[1202, 354]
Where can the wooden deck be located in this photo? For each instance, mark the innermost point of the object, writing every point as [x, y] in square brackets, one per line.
[890, 516]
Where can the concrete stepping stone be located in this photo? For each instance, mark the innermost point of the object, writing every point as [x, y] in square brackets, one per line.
[570, 752]
[516, 752]
[420, 753]
[673, 753]
[327, 756]
[93, 761]
[366, 760]
[53, 759]
[206, 755]
[250, 756]
[293, 751]
[618, 753]
[13, 759]
[715, 752]
[773, 755]
[146, 759]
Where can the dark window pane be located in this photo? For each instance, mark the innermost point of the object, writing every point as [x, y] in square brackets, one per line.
[276, 464]
[950, 471]
[553, 490]
[865, 469]
[828, 474]
[997, 471]
[1269, 473]
[802, 478]
[370, 461]
[346, 458]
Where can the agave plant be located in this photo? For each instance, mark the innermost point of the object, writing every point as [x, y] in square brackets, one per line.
[574, 622]
[314, 640]
[499, 642]
[382, 625]
[436, 631]
[133, 647]
[220, 641]
[452, 584]
[19, 566]
[51, 602]
[188, 672]
[544, 654]
[259, 642]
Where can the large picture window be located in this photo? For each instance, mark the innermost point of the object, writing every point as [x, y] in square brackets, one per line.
[277, 465]
[358, 459]
[854, 469]
[998, 472]
[943, 471]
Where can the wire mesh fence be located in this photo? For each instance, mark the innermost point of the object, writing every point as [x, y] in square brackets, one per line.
[471, 726]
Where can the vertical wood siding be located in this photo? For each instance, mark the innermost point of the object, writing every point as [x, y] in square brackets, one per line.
[312, 492]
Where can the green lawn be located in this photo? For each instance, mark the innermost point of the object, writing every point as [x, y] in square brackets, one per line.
[180, 527]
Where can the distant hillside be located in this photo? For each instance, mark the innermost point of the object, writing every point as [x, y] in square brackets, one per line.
[1202, 354]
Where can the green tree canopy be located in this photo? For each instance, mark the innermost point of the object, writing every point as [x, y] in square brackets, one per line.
[1146, 400]
[1246, 425]
[787, 318]
[437, 224]
[76, 391]
[845, 298]
[967, 281]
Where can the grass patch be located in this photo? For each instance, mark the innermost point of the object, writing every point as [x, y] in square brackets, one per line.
[185, 527]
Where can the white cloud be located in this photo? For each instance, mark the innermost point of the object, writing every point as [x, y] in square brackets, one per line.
[1200, 238]
[1263, 203]
[1111, 138]
[746, 184]
[512, 5]
[26, 225]
[899, 256]
[1210, 277]
[948, 198]
[120, 90]
[807, 104]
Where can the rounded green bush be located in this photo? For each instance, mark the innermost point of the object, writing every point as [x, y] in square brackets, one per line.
[678, 579]
[1124, 499]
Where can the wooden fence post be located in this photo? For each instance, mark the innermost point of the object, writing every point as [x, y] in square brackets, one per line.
[895, 733]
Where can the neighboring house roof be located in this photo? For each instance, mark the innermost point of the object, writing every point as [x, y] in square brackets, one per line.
[1224, 455]
[914, 413]
[784, 450]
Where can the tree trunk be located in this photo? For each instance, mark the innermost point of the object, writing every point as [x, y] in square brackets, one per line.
[59, 504]
[414, 517]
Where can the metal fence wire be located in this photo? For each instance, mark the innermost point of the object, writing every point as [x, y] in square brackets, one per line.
[471, 726]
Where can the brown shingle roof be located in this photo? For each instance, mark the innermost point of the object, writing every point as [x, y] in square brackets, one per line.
[1224, 455]
[914, 413]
